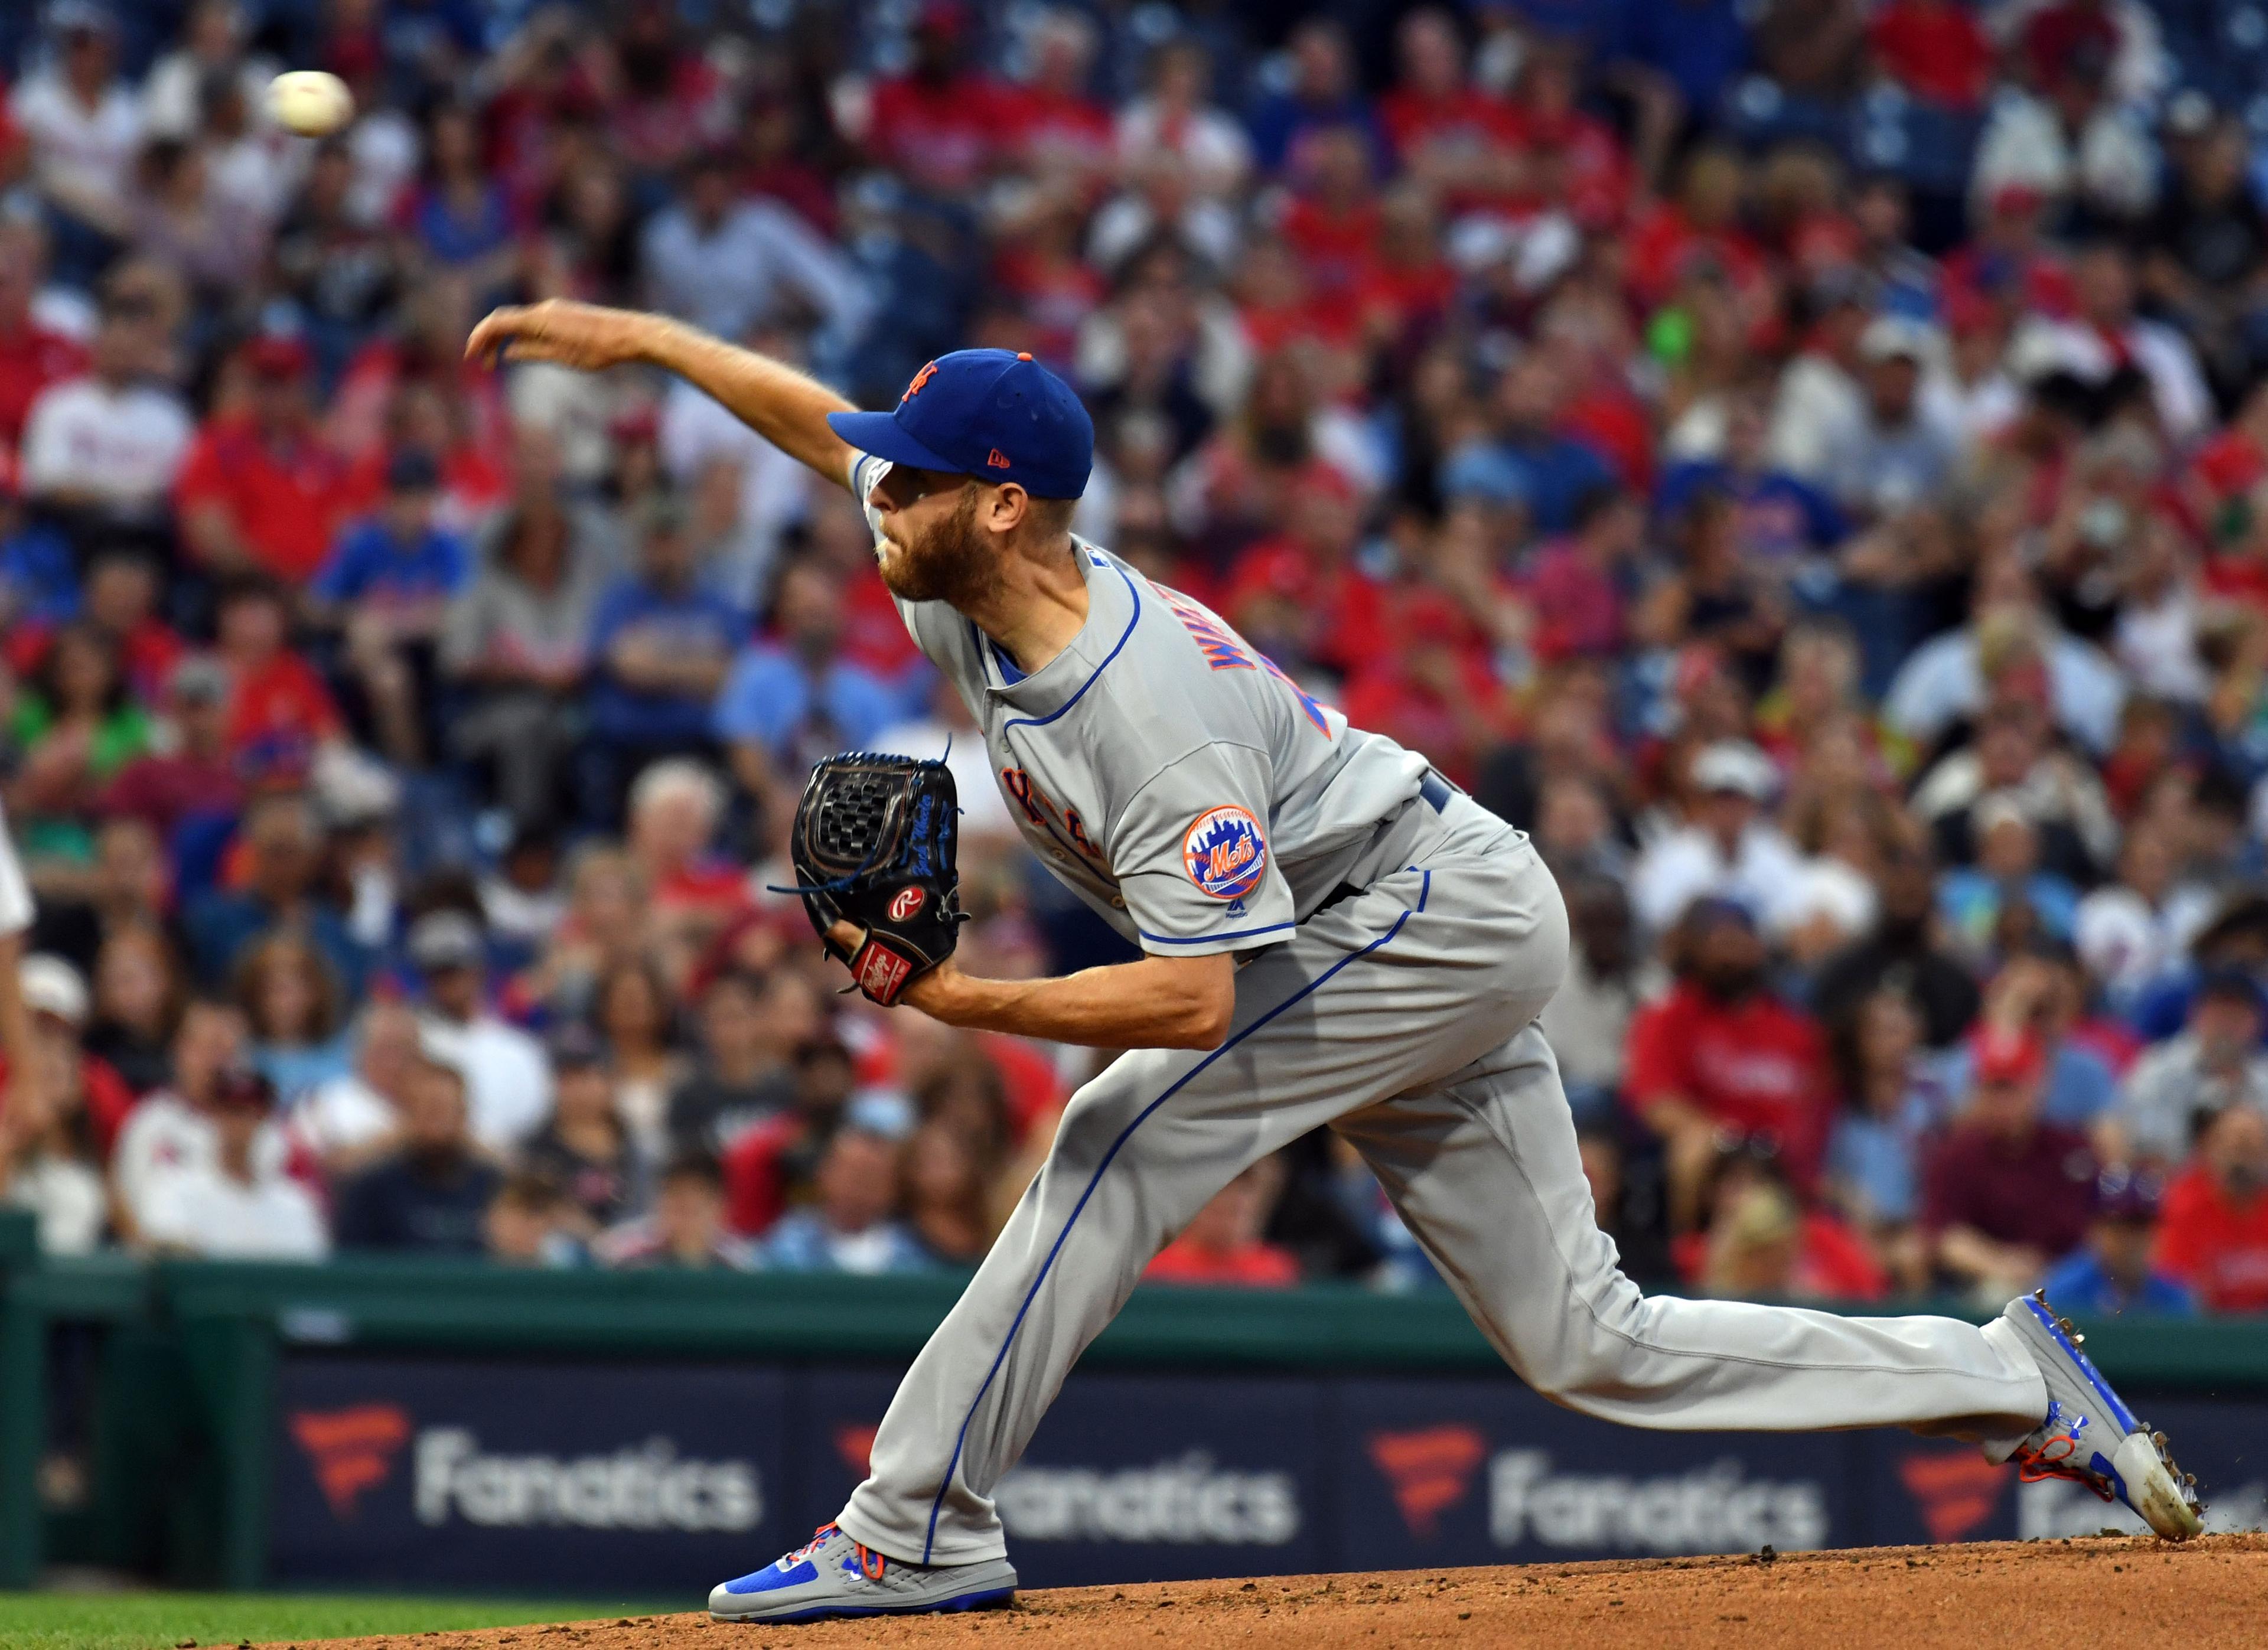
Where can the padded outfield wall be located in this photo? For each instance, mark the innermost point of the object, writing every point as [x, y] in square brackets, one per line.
[395, 1426]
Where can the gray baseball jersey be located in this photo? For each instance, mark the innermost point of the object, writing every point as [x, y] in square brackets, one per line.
[1201, 800]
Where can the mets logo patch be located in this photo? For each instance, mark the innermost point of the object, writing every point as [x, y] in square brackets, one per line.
[1225, 853]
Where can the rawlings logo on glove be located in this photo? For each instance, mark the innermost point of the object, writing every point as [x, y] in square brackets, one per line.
[873, 846]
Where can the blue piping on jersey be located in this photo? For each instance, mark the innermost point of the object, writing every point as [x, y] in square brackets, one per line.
[929, 1541]
[1205, 939]
[1133, 619]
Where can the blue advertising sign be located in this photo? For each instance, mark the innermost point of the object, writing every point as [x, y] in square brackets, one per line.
[1158, 1477]
[1485, 1472]
[493, 1473]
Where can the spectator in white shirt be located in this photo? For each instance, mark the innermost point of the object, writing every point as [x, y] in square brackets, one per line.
[726, 263]
[174, 1129]
[102, 450]
[351, 1120]
[82, 123]
[507, 1081]
[49, 1165]
[235, 1204]
[212, 47]
[1727, 849]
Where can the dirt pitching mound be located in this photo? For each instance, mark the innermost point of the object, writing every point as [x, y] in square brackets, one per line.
[2100, 1590]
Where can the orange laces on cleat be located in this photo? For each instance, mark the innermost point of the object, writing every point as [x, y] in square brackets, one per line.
[871, 1563]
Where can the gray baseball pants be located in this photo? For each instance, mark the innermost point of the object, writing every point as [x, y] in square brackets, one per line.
[1402, 1017]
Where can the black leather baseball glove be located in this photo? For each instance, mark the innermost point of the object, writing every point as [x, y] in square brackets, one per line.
[873, 846]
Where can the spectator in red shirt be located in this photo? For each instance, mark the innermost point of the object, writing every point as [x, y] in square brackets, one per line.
[1061, 131]
[32, 355]
[1222, 1244]
[278, 709]
[938, 124]
[2005, 1195]
[1936, 49]
[1444, 131]
[261, 491]
[1722, 1054]
[2214, 1232]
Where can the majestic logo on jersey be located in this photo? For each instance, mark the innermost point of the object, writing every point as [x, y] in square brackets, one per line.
[1225, 853]
[908, 901]
[920, 379]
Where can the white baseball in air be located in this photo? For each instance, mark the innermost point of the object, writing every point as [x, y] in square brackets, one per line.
[310, 102]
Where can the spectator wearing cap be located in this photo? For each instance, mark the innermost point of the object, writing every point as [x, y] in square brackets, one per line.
[2179, 1085]
[61, 1119]
[262, 492]
[2008, 883]
[102, 450]
[728, 263]
[84, 126]
[2013, 756]
[2213, 1234]
[346, 1122]
[431, 1194]
[237, 1204]
[2007, 1194]
[585, 1149]
[385, 587]
[188, 775]
[660, 647]
[507, 1084]
[1727, 849]
[2116, 1271]
[1223, 1245]
[281, 845]
[1723, 1053]
[851, 1225]
[1898, 454]
[792, 698]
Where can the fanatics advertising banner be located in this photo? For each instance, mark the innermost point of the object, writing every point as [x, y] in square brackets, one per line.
[655, 1480]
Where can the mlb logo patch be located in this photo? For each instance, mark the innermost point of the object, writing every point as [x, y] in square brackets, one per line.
[1225, 853]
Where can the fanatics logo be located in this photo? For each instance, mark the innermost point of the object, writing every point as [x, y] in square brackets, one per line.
[1225, 853]
[1430, 1470]
[1956, 1490]
[881, 972]
[908, 901]
[351, 1450]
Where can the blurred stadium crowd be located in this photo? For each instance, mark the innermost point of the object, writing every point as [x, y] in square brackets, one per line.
[1804, 460]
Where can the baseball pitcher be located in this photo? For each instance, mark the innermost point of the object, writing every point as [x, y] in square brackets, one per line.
[1331, 934]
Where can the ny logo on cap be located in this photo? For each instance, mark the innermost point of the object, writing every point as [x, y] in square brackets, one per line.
[920, 379]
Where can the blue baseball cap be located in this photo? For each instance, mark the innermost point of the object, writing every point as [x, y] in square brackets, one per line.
[993, 414]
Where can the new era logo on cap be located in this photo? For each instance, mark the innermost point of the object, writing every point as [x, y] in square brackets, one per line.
[967, 412]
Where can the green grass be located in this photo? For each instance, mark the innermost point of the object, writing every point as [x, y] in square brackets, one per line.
[157, 1621]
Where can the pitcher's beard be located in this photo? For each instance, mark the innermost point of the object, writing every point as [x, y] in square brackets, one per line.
[951, 563]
